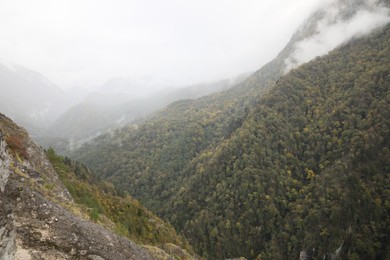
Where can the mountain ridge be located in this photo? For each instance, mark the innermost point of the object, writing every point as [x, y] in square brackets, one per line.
[230, 166]
[293, 162]
[186, 162]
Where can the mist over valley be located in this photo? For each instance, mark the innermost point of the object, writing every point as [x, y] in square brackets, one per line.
[195, 130]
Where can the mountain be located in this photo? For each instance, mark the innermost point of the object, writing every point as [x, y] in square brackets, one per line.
[207, 120]
[116, 107]
[291, 163]
[65, 119]
[41, 218]
[332, 25]
[29, 98]
[306, 173]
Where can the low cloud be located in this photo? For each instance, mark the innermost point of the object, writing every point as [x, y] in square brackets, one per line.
[337, 26]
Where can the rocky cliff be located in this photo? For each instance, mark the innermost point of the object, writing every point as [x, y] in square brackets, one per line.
[35, 217]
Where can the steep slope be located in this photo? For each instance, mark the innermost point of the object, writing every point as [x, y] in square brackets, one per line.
[102, 111]
[120, 213]
[252, 171]
[39, 219]
[185, 127]
[307, 173]
[133, 157]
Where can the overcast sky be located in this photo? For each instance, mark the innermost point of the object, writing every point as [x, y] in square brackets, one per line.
[177, 42]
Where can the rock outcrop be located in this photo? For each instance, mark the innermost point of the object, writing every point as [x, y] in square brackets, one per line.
[35, 217]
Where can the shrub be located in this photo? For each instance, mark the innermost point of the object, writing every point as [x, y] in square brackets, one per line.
[17, 144]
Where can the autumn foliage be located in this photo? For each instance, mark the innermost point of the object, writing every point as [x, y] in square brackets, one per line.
[17, 144]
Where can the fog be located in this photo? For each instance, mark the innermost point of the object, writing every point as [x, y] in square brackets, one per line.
[85, 43]
[118, 61]
[337, 25]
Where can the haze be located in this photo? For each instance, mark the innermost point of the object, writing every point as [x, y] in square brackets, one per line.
[84, 43]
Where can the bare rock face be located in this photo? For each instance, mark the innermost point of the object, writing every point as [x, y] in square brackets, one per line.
[4, 164]
[34, 220]
[7, 232]
[45, 230]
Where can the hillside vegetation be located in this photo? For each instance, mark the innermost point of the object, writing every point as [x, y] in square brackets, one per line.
[37, 213]
[270, 170]
[125, 215]
[307, 171]
[165, 143]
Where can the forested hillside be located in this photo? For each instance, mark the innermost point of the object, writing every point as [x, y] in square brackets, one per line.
[125, 215]
[307, 171]
[300, 170]
[99, 112]
[169, 139]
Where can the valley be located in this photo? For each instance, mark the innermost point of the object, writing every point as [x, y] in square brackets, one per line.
[291, 161]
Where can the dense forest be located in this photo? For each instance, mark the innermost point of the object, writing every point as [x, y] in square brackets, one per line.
[308, 169]
[274, 168]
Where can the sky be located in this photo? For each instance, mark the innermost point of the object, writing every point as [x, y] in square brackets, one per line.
[172, 42]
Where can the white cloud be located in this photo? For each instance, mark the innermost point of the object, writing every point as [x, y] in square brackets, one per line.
[332, 31]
